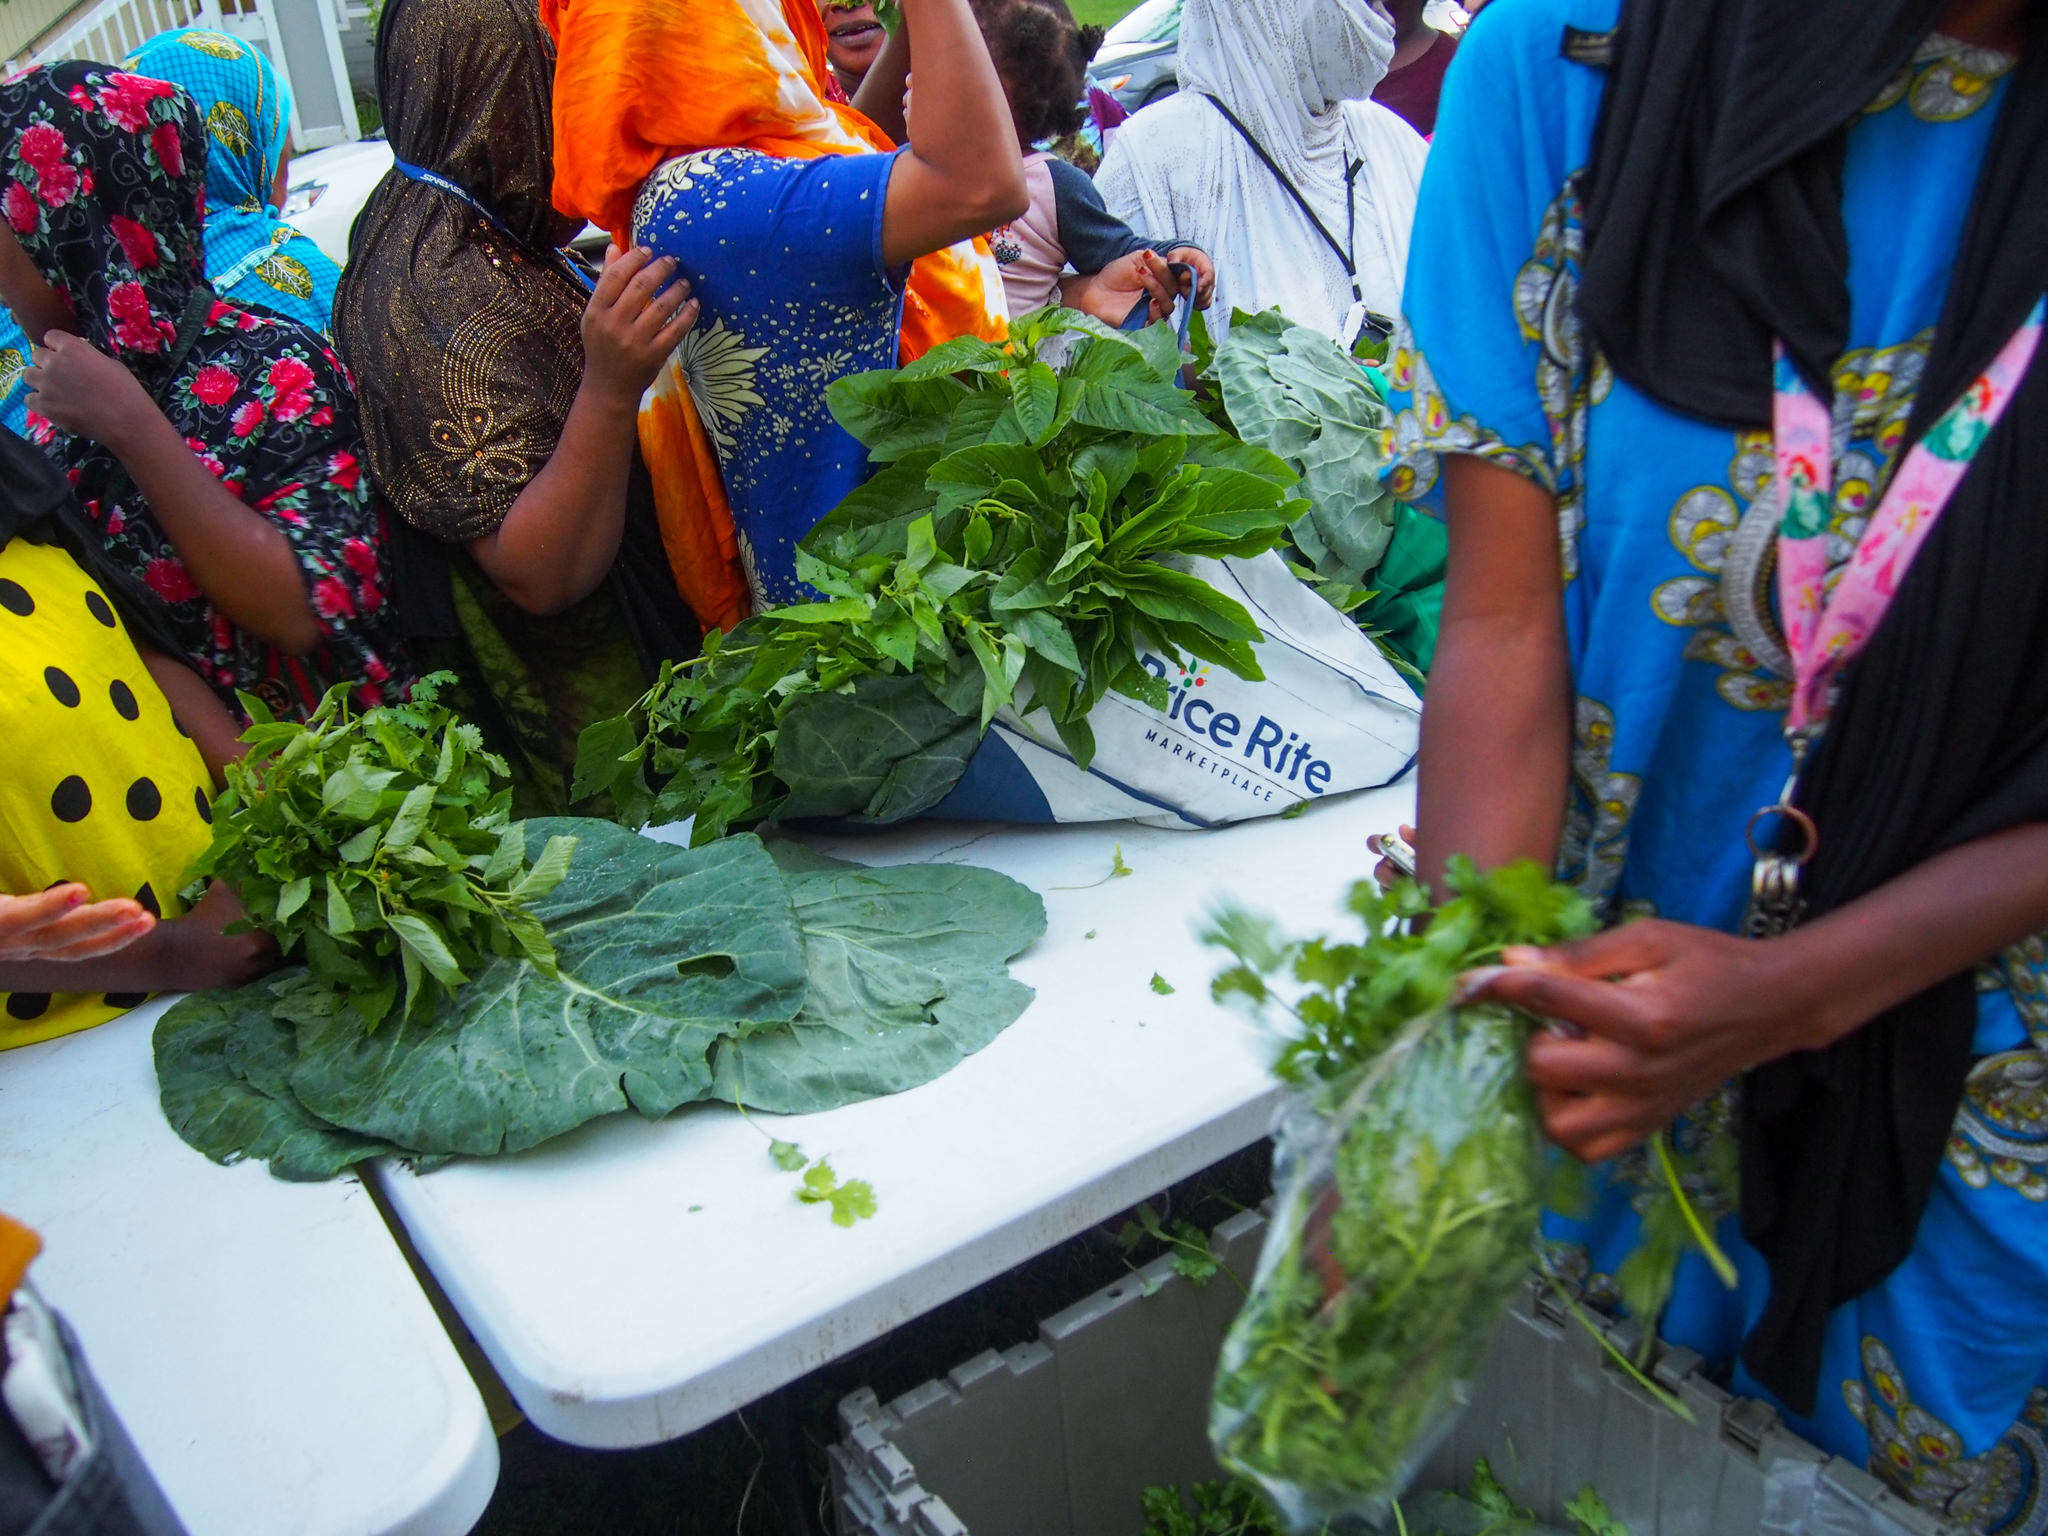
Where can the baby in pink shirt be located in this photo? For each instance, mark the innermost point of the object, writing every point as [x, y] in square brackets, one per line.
[1066, 247]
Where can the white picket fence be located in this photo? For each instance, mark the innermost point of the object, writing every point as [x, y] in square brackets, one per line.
[302, 38]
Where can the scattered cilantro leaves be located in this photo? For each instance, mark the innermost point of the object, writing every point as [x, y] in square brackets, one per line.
[1162, 986]
[852, 1200]
[789, 1157]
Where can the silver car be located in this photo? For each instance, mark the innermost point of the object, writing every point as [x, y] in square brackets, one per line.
[1138, 61]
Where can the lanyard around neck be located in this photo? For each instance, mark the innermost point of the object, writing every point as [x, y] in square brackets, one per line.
[1359, 316]
[463, 194]
[1826, 625]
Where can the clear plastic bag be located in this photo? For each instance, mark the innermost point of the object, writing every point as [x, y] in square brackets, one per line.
[1406, 1205]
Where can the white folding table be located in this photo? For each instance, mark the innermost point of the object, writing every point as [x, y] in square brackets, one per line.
[633, 1281]
[265, 1343]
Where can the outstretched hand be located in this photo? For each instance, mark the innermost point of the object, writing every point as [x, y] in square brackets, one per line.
[1666, 1013]
[631, 325]
[65, 923]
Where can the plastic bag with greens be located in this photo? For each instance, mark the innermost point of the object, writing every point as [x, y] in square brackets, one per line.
[1407, 1181]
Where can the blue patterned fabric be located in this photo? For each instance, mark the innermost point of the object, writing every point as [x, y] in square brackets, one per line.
[786, 258]
[252, 256]
[1932, 1378]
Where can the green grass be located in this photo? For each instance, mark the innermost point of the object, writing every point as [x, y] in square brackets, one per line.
[1103, 13]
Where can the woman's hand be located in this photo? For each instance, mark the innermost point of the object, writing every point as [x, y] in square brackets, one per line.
[65, 923]
[1668, 1012]
[82, 390]
[1204, 268]
[630, 326]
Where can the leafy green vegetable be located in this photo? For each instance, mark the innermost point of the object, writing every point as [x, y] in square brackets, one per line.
[851, 1201]
[1294, 391]
[379, 845]
[219, 1111]
[789, 1157]
[1162, 986]
[909, 975]
[1410, 1209]
[1192, 1257]
[1589, 1512]
[1020, 536]
[1225, 1508]
[682, 972]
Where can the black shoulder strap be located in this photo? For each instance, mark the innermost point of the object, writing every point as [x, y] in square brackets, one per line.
[1343, 256]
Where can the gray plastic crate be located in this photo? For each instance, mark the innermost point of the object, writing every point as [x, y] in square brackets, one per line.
[1060, 1436]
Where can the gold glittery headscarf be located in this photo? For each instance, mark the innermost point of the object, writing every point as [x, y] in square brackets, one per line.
[464, 337]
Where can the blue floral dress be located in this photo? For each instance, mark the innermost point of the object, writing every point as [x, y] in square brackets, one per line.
[1934, 1378]
[785, 257]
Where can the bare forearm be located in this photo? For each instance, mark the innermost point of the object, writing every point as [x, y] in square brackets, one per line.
[1940, 917]
[963, 175]
[1496, 735]
[562, 533]
[240, 559]
[186, 954]
[880, 97]
[198, 711]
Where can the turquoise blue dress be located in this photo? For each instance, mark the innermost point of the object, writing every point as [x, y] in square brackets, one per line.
[785, 257]
[252, 256]
[1934, 1378]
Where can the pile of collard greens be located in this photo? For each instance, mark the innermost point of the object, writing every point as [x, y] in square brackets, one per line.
[615, 972]
[1021, 530]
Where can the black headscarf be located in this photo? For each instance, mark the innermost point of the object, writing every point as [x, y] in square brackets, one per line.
[464, 331]
[1715, 224]
[465, 338]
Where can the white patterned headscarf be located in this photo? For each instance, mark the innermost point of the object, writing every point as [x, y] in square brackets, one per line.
[1297, 74]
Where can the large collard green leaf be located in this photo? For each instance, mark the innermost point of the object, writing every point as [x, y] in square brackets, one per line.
[883, 752]
[221, 1059]
[1296, 393]
[662, 951]
[909, 974]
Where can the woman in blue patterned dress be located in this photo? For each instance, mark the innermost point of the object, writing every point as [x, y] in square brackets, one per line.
[1586, 381]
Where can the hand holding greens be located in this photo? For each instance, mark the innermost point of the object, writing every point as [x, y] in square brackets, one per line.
[381, 844]
[1407, 1189]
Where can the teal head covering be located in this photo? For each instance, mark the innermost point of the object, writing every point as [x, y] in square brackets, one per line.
[252, 256]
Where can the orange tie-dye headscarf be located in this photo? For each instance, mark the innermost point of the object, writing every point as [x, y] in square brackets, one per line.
[638, 82]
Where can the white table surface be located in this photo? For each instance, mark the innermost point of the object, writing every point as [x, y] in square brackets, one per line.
[265, 1343]
[621, 1314]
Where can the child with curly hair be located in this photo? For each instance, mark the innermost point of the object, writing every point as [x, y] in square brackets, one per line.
[1066, 236]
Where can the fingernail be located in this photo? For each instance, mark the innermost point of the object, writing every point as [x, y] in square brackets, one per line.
[1521, 954]
[1473, 982]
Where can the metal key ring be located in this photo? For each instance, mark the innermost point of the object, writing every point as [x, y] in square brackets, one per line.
[1791, 813]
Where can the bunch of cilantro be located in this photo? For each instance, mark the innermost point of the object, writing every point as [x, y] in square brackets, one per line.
[380, 849]
[1020, 544]
[1407, 1205]
[1236, 1509]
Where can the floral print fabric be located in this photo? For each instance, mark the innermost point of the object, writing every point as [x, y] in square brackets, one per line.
[1930, 1378]
[102, 180]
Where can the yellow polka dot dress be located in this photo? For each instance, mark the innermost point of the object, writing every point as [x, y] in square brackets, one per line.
[100, 786]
